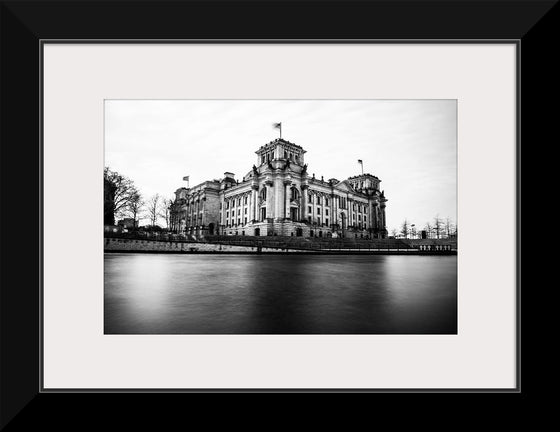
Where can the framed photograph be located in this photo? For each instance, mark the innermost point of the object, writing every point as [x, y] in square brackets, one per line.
[232, 207]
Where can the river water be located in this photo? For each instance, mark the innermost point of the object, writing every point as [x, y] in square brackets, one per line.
[280, 294]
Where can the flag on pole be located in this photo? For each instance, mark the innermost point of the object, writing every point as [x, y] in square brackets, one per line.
[362, 164]
[186, 178]
[278, 126]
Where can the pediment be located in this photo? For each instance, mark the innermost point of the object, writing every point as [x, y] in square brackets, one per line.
[344, 186]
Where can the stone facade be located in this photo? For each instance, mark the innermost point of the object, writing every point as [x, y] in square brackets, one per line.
[279, 197]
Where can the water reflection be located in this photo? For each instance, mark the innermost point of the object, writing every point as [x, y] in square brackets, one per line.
[280, 294]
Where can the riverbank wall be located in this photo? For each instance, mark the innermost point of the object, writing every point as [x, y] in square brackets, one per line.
[130, 245]
[161, 246]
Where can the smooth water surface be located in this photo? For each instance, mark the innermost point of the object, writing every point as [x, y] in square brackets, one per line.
[280, 294]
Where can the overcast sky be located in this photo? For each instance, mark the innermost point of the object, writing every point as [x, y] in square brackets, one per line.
[409, 144]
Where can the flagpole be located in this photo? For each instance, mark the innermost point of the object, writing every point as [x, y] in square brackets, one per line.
[280, 130]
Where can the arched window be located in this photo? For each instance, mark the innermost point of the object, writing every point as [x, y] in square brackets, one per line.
[295, 193]
[263, 193]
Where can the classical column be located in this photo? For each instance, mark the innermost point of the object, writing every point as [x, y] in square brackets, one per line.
[304, 200]
[331, 210]
[235, 211]
[252, 204]
[269, 196]
[279, 197]
[324, 216]
[287, 183]
[383, 216]
[335, 209]
[255, 201]
[349, 207]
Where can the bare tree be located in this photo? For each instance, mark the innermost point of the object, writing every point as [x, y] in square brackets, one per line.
[153, 209]
[438, 226]
[135, 208]
[165, 210]
[448, 227]
[118, 191]
[394, 233]
[405, 228]
[428, 228]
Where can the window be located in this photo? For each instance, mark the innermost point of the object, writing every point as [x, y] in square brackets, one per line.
[245, 223]
[326, 222]
[239, 202]
[294, 193]
[310, 198]
[309, 209]
[263, 193]
[326, 212]
[326, 201]
[263, 159]
[365, 218]
[245, 210]
[285, 154]
[319, 220]
[245, 200]
[227, 204]
[318, 200]
[309, 219]
[227, 214]
[318, 210]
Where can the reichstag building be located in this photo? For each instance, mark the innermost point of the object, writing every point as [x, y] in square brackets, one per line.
[279, 197]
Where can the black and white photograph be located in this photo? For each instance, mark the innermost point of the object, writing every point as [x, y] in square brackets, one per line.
[280, 216]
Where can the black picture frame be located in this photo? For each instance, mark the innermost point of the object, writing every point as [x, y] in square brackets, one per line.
[27, 25]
